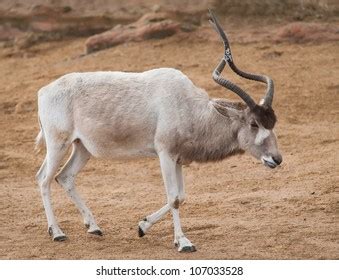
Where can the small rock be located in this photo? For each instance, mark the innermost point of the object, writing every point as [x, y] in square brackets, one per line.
[273, 54]
[156, 8]
[24, 107]
[7, 107]
[150, 26]
[66, 9]
[302, 32]
[188, 27]
[244, 202]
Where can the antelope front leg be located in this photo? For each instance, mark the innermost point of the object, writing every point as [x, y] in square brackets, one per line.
[169, 174]
[150, 220]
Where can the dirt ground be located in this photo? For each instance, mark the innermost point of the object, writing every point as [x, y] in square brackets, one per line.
[235, 209]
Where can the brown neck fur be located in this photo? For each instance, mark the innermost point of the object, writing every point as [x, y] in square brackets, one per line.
[215, 137]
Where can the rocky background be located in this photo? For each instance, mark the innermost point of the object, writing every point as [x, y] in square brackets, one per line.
[25, 23]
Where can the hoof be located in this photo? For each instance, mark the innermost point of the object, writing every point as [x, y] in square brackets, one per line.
[188, 249]
[57, 235]
[140, 232]
[96, 232]
[60, 238]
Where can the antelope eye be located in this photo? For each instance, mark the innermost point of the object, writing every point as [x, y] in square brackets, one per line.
[254, 125]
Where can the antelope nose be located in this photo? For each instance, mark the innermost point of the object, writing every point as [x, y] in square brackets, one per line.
[277, 159]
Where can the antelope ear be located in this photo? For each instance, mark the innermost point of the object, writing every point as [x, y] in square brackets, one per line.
[221, 109]
[227, 108]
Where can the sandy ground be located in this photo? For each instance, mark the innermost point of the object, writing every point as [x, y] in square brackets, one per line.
[235, 209]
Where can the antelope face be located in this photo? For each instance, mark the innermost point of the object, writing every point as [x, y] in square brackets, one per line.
[261, 142]
[264, 145]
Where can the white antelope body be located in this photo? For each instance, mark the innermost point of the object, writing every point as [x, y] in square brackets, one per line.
[155, 113]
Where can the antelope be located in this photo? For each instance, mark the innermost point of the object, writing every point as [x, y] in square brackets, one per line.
[157, 113]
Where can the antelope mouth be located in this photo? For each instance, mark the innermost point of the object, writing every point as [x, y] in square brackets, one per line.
[269, 162]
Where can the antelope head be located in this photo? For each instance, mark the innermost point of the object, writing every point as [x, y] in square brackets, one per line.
[256, 134]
